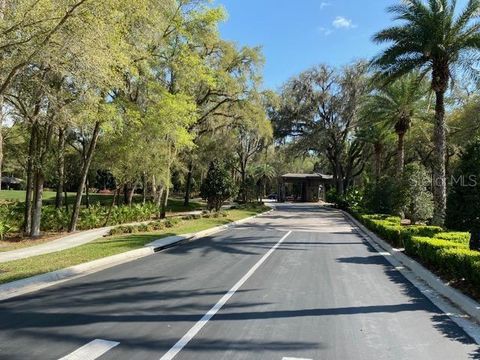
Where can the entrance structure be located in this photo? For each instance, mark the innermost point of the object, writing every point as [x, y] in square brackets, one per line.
[304, 187]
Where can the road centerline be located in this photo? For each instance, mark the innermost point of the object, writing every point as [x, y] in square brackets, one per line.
[91, 351]
[180, 344]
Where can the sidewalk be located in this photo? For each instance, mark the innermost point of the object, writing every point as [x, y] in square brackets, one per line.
[67, 242]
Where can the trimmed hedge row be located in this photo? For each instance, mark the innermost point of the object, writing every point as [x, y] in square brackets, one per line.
[162, 224]
[446, 253]
[389, 228]
[453, 260]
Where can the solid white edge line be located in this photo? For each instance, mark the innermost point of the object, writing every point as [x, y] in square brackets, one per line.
[204, 320]
[91, 351]
[290, 358]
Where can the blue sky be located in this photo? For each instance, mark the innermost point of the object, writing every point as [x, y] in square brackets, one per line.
[297, 34]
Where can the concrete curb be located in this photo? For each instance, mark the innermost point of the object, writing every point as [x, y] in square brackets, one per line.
[465, 303]
[38, 282]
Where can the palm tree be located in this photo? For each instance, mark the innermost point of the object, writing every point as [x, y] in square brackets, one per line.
[397, 105]
[263, 173]
[432, 39]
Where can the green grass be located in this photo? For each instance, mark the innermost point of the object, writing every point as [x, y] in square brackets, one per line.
[20, 269]
[174, 204]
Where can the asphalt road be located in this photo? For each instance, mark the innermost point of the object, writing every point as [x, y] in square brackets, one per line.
[307, 287]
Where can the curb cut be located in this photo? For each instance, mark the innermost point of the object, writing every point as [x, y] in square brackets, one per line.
[41, 281]
[462, 301]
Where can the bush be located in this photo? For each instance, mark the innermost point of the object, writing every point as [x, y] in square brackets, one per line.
[452, 259]
[390, 229]
[4, 229]
[379, 197]
[54, 219]
[463, 202]
[412, 197]
[218, 186]
[459, 237]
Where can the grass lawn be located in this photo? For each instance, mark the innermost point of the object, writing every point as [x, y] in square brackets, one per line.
[19, 269]
[174, 204]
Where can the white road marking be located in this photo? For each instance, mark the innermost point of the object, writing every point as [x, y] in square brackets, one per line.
[204, 320]
[91, 351]
[290, 358]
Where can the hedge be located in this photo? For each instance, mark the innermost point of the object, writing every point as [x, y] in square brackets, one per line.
[390, 228]
[446, 253]
[453, 260]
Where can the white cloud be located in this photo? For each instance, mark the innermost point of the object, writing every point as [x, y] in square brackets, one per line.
[341, 22]
[324, 31]
[324, 4]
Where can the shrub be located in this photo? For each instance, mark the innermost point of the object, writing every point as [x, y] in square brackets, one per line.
[445, 252]
[459, 237]
[463, 202]
[171, 222]
[54, 219]
[378, 197]
[390, 228]
[4, 229]
[412, 196]
[452, 259]
[218, 186]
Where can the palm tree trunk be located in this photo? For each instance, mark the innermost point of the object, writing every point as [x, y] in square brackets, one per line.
[400, 152]
[439, 174]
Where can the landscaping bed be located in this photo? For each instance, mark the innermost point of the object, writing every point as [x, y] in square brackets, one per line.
[445, 253]
[116, 244]
[97, 215]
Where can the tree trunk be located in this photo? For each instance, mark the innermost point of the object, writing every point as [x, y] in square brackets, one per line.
[158, 200]
[243, 175]
[163, 207]
[83, 178]
[475, 240]
[400, 153]
[115, 194]
[125, 194]
[87, 193]
[65, 199]
[60, 169]
[37, 204]
[144, 190]
[439, 175]
[339, 178]
[27, 219]
[188, 185]
[131, 193]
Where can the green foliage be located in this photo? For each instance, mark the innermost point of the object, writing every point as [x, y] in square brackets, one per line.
[352, 200]
[390, 228]
[379, 196]
[452, 259]
[412, 196]
[463, 205]
[4, 229]
[444, 252]
[218, 186]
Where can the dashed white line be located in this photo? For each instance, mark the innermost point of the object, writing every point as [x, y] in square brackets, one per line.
[91, 351]
[290, 358]
[204, 320]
